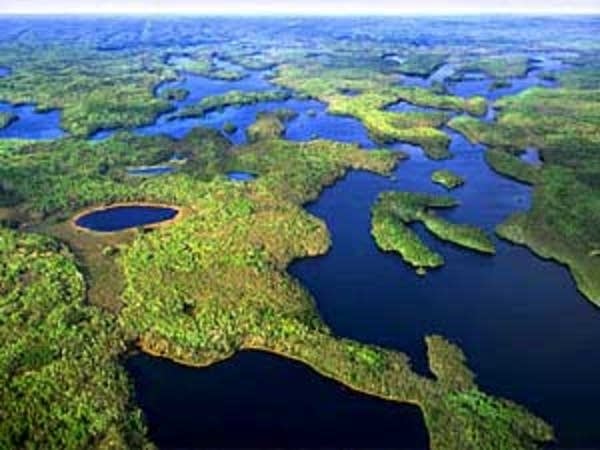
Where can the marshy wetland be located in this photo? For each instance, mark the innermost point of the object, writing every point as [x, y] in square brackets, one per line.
[196, 219]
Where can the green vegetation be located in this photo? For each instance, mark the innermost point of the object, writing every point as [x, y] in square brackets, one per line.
[60, 177]
[581, 78]
[384, 126]
[232, 98]
[585, 74]
[204, 63]
[61, 385]
[7, 119]
[422, 64]
[269, 125]
[174, 94]
[394, 211]
[392, 235]
[264, 60]
[510, 165]
[95, 90]
[230, 127]
[237, 295]
[376, 93]
[423, 97]
[221, 298]
[497, 433]
[200, 64]
[564, 125]
[500, 67]
[464, 235]
[447, 178]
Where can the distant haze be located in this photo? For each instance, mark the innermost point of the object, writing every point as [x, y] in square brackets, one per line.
[303, 7]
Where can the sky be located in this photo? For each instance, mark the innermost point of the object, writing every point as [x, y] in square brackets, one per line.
[303, 7]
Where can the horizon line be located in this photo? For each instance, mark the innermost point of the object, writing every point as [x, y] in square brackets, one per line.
[255, 13]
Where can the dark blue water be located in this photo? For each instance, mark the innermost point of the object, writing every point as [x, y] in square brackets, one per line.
[240, 176]
[481, 84]
[478, 83]
[313, 121]
[528, 334]
[102, 134]
[199, 86]
[123, 217]
[31, 124]
[4, 72]
[437, 76]
[150, 171]
[256, 400]
[520, 320]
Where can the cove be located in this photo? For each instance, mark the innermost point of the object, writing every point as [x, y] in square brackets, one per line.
[525, 329]
[119, 218]
[312, 122]
[258, 400]
[479, 83]
[31, 124]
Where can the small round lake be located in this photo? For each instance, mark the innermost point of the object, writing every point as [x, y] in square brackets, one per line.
[122, 217]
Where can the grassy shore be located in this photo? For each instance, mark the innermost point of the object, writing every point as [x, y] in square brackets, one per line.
[269, 125]
[421, 64]
[232, 98]
[447, 178]
[394, 211]
[466, 236]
